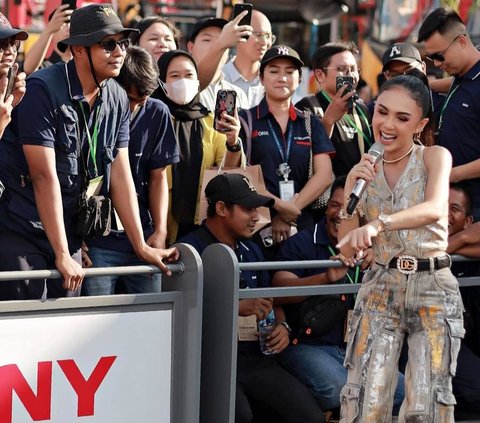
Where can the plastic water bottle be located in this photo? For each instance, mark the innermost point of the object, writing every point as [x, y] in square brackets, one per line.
[265, 328]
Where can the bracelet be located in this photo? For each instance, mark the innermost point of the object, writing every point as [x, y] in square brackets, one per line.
[235, 148]
[287, 326]
[343, 215]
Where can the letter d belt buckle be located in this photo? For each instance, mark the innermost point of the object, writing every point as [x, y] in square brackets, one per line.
[407, 264]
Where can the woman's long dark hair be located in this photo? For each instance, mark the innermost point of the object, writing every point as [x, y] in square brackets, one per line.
[419, 91]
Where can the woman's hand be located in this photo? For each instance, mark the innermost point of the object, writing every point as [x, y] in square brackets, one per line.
[365, 169]
[280, 230]
[361, 238]
[231, 126]
[288, 210]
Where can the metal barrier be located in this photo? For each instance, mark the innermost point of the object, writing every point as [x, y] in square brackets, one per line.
[220, 332]
[144, 351]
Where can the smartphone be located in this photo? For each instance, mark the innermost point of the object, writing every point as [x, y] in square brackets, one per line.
[11, 74]
[239, 8]
[72, 4]
[226, 102]
[347, 81]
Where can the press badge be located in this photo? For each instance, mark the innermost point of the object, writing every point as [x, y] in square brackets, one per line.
[94, 186]
[247, 328]
[287, 190]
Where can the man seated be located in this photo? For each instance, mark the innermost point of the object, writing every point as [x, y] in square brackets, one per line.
[464, 239]
[261, 382]
[317, 360]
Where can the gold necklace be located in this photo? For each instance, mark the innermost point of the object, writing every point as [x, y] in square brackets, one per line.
[400, 158]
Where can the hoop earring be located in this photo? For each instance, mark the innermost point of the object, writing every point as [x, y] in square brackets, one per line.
[416, 137]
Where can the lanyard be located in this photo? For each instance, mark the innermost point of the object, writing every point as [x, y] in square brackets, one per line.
[352, 123]
[449, 96]
[285, 155]
[357, 268]
[92, 139]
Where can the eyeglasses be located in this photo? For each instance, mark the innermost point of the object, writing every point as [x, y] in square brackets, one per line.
[440, 57]
[344, 70]
[264, 36]
[111, 45]
[9, 42]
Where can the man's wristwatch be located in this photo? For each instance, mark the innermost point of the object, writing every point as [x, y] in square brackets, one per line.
[287, 326]
[386, 222]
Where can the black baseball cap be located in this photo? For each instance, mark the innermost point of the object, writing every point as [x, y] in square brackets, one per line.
[236, 189]
[206, 23]
[6, 30]
[281, 52]
[403, 52]
[89, 24]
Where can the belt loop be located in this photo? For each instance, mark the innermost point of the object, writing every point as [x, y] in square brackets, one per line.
[431, 261]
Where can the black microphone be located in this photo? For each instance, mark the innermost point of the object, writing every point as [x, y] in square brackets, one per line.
[376, 150]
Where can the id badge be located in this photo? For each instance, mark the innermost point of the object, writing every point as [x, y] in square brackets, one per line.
[287, 190]
[94, 186]
[247, 328]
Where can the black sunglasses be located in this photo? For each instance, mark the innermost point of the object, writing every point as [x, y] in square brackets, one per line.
[440, 57]
[111, 45]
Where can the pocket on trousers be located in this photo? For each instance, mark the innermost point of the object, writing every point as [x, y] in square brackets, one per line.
[445, 280]
[456, 333]
[444, 406]
[353, 324]
[349, 400]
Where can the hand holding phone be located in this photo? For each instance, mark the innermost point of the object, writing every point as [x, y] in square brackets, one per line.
[226, 102]
[239, 8]
[347, 82]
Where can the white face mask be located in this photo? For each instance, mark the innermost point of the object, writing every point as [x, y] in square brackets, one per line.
[182, 91]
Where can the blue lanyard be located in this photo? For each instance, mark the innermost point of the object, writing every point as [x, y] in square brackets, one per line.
[289, 141]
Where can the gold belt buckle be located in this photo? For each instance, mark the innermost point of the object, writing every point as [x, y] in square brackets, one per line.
[407, 264]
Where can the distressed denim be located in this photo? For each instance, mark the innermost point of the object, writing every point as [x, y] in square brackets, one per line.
[425, 306]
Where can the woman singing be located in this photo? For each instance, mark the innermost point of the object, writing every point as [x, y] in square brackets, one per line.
[410, 290]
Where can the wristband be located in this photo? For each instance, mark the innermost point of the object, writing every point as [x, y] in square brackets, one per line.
[235, 148]
[287, 326]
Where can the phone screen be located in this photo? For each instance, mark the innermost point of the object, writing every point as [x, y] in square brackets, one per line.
[72, 4]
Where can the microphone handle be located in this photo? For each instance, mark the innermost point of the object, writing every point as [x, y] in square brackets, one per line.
[352, 203]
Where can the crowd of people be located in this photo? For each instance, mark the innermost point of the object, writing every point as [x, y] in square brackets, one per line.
[103, 153]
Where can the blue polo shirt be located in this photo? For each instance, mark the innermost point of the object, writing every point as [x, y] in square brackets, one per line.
[153, 145]
[50, 116]
[245, 250]
[268, 142]
[460, 129]
[310, 244]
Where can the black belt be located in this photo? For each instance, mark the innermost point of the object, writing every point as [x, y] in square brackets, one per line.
[410, 264]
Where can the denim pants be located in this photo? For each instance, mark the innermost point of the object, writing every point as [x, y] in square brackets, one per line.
[320, 368]
[425, 306]
[105, 285]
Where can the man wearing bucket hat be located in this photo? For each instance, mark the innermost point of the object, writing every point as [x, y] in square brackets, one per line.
[10, 39]
[69, 149]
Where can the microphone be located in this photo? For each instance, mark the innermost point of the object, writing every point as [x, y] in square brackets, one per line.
[376, 150]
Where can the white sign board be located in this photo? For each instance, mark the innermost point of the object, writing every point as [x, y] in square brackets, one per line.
[94, 368]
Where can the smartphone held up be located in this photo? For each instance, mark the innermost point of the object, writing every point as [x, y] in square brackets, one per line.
[348, 83]
[226, 102]
[11, 75]
[241, 7]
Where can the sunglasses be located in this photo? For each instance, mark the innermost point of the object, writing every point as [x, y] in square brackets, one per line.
[111, 45]
[440, 57]
[5, 43]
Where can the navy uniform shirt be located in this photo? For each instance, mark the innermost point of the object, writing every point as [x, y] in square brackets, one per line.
[49, 116]
[245, 250]
[266, 151]
[460, 124]
[153, 145]
[310, 244]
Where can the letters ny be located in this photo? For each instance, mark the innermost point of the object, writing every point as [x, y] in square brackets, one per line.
[39, 405]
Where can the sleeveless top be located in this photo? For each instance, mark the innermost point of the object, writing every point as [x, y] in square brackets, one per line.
[409, 191]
